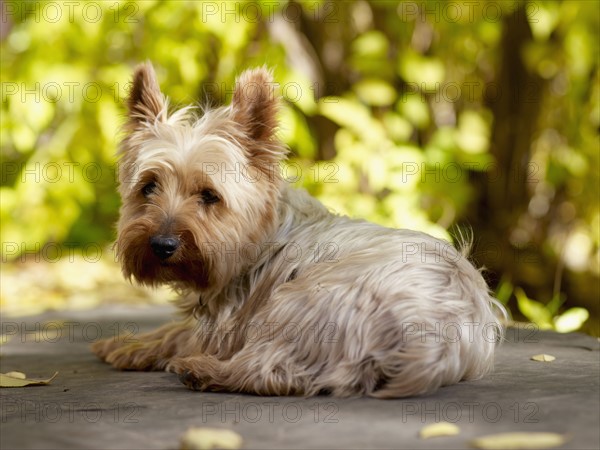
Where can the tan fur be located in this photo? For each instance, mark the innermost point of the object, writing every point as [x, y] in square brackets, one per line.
[278, 295]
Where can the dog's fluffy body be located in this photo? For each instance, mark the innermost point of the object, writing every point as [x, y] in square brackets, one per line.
[279, 296]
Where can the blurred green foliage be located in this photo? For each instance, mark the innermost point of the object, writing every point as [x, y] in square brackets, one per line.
[395, 111]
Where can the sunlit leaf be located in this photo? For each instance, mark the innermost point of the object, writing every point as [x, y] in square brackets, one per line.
[299, 91]
[509, 441]
[17, 375]
[438, 430]
[426, 73]
[377, 171]
[397, 127]
[353, 115]
[543, 19]
[371, 43]
[7, 381]
[571, 320]
[579, 51]
[414, 109]
[543, 358]
[577, 249]
[210, 438]
[473, 133]
[533, 310]
[375, 92]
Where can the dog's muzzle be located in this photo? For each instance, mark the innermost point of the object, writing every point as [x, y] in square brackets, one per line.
[164, 246]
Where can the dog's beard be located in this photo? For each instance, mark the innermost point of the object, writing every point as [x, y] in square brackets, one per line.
[201, 262]
[188, 266]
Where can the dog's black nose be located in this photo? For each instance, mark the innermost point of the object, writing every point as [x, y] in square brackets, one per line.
[164, 246]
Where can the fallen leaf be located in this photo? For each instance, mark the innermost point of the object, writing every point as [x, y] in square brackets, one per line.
[210, 438]
[6, 380]
[439, 429]
[512, 441]
[543, 358]
[19, 375]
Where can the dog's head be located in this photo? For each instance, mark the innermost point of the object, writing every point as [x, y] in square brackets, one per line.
[197, 189]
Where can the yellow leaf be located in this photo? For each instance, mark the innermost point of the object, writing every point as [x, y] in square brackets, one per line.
[543, 358]
[19, 375]
[439, 429]
[6, 380]
[511, 441]
[209, 438]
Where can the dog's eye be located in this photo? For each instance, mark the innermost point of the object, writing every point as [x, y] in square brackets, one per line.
[208, 197]
[149, 188]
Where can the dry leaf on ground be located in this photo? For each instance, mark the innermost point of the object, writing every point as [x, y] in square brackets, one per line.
[439, 429]
[19, 375]
[512, 441]
[210, 438]
[9, 380]
[543, 358]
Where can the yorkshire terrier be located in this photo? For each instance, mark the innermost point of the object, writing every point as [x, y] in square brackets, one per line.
[279, 296]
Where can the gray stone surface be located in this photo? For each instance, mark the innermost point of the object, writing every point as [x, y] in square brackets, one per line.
[90, 405]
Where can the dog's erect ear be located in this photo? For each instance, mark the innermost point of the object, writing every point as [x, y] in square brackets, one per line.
[254, 105]
[145, 103]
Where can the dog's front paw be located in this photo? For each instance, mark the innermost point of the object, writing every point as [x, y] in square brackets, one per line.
[192, 382]
[134, 356]
[104, 347]
[191, 375]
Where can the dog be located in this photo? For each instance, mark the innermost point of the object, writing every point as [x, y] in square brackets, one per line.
[279, 296]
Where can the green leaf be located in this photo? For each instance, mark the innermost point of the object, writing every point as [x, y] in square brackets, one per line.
[555, 303]
[426, 73]
[397, 127]
[544, 20]
[350, 113]
[371, 43]
[473, 133]
[375, 92]
[504, 291]
[414, 108]
[534, 311]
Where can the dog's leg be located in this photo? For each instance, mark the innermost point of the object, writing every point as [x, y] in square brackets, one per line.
[149, 351]
[239, 374]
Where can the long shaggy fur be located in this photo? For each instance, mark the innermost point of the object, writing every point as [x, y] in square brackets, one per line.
[278, 295]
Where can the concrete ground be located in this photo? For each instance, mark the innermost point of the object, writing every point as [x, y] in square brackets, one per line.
[90, 405]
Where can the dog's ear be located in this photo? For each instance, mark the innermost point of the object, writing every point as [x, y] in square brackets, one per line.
[254, 104]
[146, 103]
